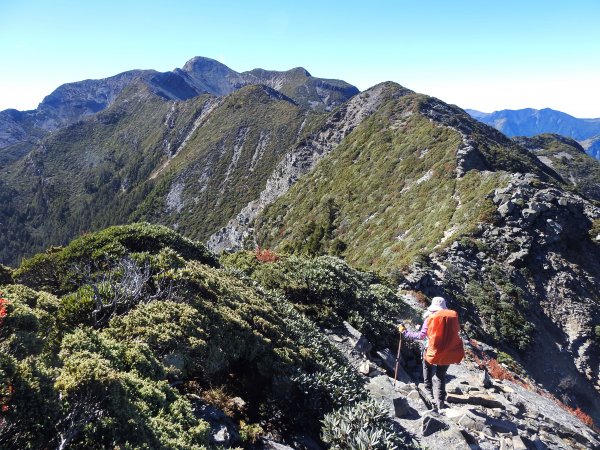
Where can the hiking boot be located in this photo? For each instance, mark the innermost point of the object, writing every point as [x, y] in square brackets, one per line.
[429, 398]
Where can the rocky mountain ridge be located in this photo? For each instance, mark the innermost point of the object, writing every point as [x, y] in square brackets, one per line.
[302, 158]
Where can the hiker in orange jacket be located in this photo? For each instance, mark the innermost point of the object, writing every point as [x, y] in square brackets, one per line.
[443, 346]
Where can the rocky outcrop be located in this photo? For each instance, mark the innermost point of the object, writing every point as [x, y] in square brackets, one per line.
[302, 158]
[538, 251]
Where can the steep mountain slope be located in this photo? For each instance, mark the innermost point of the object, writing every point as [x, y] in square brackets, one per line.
[174, 157]
[70, 183]
[567, 158]
[226, 161]
[396, 176]
[71, 102]
[303, 156]
[465, 212]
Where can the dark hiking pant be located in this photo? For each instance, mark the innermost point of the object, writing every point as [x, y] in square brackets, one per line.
[440, 382]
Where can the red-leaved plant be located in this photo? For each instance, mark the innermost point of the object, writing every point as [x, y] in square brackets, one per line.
[266, 255]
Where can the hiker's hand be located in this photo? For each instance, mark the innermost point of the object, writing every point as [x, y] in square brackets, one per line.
[401, 328]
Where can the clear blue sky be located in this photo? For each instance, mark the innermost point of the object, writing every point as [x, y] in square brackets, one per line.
[478, 54]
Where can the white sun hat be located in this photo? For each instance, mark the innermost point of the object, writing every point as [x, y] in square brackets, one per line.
[437, 304]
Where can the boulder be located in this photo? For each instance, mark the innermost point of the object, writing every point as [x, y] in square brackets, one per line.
[381, 389]
[518, 444]
[472, 422]
[363, 345]
[272, 445]
[220, 436]
[506, 208]
[401, 407]
[388, 360]
[360, 342]
[364, 368]
[431, 424]
[529, 213]
[485, 379]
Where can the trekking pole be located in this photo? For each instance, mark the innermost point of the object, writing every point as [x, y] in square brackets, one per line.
[397, 359]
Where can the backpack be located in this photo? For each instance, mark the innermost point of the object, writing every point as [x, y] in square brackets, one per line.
[444, 345]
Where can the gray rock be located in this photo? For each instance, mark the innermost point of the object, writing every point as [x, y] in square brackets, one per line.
[485, 379]
[501, 425]
[376, 372]
[401, 407]
[414, 395]
[472, 422]
[529, 213]
[221, 436]
[353, 332]
[381, 389]
[432, 424]
[272, 445]
[364, 368]
[518, 444]
[363, 345]
[447, 440]
[389, 362]
[360, 342]
[475, 399]
[405, 388]
[506, 208]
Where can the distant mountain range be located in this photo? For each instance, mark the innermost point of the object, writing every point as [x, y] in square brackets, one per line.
[71, 102]
[529, 122]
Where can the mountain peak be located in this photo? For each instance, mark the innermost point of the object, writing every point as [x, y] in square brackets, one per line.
[299, 71]
[201, 63]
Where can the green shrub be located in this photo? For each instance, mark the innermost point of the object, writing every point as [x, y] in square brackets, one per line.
[328, 290]
[60, 271]
[365, 425]
[501, 308]
[250, 432]
[106, 384]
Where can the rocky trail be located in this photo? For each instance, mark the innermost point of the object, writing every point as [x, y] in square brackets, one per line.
[481, 412]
